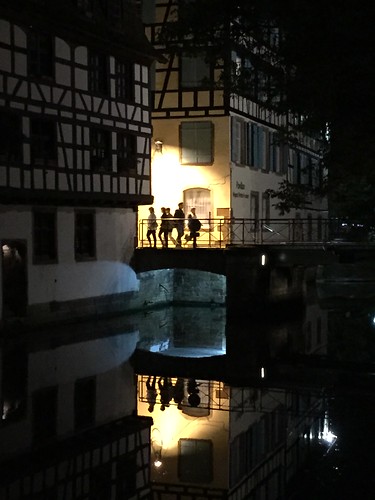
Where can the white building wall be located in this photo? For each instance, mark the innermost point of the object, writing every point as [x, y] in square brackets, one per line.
[105, 359]
[108, 274]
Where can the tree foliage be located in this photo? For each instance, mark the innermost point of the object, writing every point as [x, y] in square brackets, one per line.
[318, 56]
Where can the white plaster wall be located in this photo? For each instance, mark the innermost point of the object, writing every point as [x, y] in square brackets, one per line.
[106, 358]
[66, 280]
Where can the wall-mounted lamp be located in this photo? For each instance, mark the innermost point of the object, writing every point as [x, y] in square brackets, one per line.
[158, 145]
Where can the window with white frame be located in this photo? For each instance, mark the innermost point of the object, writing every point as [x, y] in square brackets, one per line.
[196, 143]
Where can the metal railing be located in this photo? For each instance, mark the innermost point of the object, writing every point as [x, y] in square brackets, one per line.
[222, 232]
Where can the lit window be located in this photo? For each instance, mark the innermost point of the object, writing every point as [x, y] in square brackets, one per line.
[196, 143]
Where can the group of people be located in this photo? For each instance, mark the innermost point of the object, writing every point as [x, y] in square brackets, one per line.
[168, 391]
[169, 223]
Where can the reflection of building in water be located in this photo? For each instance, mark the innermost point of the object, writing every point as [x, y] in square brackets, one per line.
[237, 442]
[68, 428]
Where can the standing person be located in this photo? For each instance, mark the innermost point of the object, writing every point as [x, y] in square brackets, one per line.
[165, 390]
[180, 223]
[194, 226]
[151, 393]
[170, 225]
[179, 392]
[163, 231]
[151, 226]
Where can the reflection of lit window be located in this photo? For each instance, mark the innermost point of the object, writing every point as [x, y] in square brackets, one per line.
[195, 460]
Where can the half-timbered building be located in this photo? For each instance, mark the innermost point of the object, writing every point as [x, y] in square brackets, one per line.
[214, 149]
[74, 154]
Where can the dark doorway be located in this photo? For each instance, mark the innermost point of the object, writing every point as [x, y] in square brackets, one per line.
[14, 282]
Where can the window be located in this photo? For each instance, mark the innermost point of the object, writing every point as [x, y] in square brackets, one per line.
[126, 152]
[40, 55]
[256, 142]
[196, 140]
[85, 244]
[98, 73]
[43, 146]
[126, 476]
[194, 71]
[200, 198]
[100, 141]
[10, 138]
[45, 244]
[274, 152]
[195, 460]
[84, 402]
[125, 80]
[86, 6]
[44, 414]
[238, 141]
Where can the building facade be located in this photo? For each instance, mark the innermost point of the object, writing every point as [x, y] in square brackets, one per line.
[74, 155]
[214, 149]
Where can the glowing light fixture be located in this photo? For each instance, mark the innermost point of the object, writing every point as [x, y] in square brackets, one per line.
[263, 260]
[158, 145]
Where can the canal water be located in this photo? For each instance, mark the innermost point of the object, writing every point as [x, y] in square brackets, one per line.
[282, 407]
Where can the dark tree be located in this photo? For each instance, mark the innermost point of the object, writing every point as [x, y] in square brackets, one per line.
[313, 58]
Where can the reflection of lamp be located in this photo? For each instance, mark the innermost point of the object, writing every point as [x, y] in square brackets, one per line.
[158, 145]
[157, 446]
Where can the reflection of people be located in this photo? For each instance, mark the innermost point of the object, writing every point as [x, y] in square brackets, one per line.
[192, 388]
[151, 393]
[194, 399]
[151, 226]
[194, 226]
[178, 392]
[180, 223]
[165, 390]
[163, 231]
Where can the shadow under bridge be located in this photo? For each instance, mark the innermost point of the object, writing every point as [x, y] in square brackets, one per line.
[201, 259]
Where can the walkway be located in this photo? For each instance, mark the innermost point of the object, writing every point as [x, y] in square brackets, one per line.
[221, 232]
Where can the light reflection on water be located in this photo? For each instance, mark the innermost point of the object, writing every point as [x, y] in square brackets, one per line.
[278, 394]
